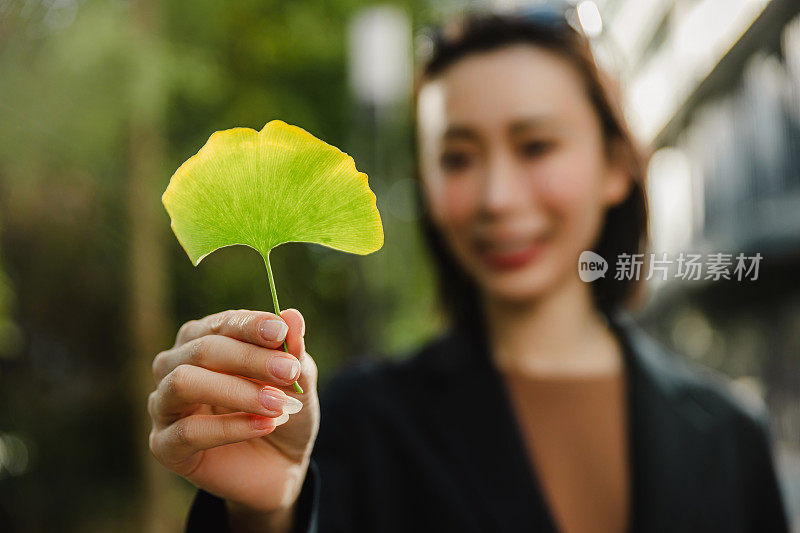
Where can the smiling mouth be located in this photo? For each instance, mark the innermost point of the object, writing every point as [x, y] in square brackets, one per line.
[510, 254]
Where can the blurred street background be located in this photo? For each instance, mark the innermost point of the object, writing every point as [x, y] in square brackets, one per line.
[101, 100]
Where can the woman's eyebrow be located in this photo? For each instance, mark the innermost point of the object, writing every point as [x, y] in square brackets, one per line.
[460, 133]
[538, 122]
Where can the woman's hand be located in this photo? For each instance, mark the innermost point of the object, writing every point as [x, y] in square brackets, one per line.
[225, 415]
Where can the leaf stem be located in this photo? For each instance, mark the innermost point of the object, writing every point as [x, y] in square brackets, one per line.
[295, 385]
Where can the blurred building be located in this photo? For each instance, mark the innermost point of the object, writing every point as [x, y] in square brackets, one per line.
[713, 87]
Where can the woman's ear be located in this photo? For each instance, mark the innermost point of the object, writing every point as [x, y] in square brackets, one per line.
[617, 183]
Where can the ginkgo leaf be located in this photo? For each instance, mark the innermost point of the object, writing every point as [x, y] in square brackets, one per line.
[265, 188]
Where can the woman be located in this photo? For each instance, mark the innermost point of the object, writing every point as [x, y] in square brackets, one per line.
[543, 407]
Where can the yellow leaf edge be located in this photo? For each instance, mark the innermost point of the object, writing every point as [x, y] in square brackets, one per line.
[207, 150]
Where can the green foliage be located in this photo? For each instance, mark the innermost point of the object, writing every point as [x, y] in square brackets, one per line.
[7, 329]
[75, 76]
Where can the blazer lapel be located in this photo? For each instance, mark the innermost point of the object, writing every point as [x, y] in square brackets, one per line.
[472, 418]
[670, 436]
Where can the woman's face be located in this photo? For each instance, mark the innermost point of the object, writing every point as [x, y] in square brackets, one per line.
[514, 168]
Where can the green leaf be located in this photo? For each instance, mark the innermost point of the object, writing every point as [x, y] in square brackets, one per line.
[262, 189]
[265, 188]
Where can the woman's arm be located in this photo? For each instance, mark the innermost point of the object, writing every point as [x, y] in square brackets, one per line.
[211, 513]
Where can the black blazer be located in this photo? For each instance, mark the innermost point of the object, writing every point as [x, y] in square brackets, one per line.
[407, 446]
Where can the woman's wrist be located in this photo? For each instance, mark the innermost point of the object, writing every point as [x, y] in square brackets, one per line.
[243, 519]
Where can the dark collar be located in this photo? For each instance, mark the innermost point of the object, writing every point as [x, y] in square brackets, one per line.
[668, 435]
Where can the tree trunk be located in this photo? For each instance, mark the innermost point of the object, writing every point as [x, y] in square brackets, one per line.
[147, 291]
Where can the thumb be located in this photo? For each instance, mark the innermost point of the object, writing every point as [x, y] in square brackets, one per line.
[295, 342]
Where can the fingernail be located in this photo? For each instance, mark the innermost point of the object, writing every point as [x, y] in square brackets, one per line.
[279, 403]
[273, 330]
[285, 368]
[271, 400]
[293, 406]
[262, 422]
[281, 419]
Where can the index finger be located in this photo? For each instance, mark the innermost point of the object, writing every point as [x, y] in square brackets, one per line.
[256, 327]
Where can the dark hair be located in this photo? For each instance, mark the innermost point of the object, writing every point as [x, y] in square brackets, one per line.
[625, 225]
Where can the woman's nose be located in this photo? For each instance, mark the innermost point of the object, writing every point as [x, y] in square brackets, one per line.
[503, 186]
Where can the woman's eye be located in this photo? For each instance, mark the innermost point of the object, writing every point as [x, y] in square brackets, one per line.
[533, 149]
[455, 161]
